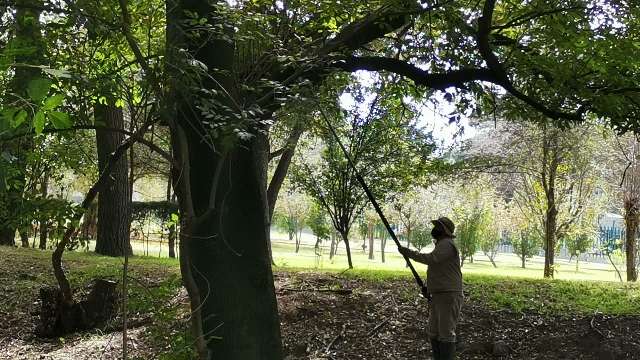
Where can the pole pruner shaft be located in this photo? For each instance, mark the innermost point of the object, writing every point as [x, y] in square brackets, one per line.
[376, 206]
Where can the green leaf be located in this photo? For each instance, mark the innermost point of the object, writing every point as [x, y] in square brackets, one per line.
[8, 114]
[53, 102]
[38, 122]
[20, 118]
[59, 73]
[60, 120]
[38, 89]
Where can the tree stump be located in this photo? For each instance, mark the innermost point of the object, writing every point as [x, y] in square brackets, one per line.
[58, 318]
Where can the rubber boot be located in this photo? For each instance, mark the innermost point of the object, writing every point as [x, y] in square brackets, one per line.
[447, 350]
[435, 348]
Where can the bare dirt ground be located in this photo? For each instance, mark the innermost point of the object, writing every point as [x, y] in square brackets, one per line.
[387, 320]
[326, 316]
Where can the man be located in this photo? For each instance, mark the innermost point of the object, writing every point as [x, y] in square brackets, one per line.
[444, 282]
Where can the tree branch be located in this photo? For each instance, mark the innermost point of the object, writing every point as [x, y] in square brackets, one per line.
[484, 30]
[137, 139]
[440, 81]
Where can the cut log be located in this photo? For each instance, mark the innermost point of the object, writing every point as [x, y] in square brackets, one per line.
[58, 318]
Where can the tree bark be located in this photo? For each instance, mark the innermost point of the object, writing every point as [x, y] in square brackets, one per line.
[371, 249]
[172, 227]
[283, 166]
[332, 249]
[550, 240]
[44, 222]
[24, 237]
[228, 251]
[29, 35]
[632, 217]
[550, 163]
[114, 202]
[222, 194]
[345, 238]
[383, 242]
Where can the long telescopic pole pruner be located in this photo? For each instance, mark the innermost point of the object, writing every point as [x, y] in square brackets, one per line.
[367, 191]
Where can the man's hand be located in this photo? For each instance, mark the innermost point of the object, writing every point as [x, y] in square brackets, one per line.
[404, 251]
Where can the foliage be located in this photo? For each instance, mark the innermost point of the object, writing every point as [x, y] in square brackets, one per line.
[526, 243]
[160, 210]
[385, 146]
[291, 213]
[318, 222]
[421, 237]
[477, 226]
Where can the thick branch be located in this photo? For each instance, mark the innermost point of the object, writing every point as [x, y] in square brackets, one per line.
[283, 166]
[484, 30]
[455, 78]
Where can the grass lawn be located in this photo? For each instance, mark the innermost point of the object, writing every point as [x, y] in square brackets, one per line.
[509, 265]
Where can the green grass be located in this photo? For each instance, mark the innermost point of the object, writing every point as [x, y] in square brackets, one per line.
[509, 265]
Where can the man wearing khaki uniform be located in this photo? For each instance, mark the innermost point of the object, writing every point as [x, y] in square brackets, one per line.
[444, 282]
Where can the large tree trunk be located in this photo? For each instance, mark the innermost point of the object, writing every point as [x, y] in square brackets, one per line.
[114, 202]
[631, 231]
[228, 250]
[29, 35]
[222, 194]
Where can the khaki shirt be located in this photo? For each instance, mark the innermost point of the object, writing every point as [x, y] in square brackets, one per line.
[443, 272]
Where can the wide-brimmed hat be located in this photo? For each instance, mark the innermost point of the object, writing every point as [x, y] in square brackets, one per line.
[446, 225]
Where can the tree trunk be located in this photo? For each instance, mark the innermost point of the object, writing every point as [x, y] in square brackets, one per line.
[280, 174]
[44, 222]
[228, 250]
[371, 249]
[171, 238]
[523, 258]
[7, 236]
[29, 35]
[491, 259]
[383, 242]
[332, 250]
[225, 246]
[345, 238]
[24, 236]
[631, 230]
[550, 240]
[114, 202]
[172, 241]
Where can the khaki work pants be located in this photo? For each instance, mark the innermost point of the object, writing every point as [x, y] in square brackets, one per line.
[444, 314]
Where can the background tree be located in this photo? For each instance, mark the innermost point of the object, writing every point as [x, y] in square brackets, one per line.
[291, 212]
[526, 243]
[553, 177]
[631, 204]
[27, 86]
[318, 223]
[385, 147]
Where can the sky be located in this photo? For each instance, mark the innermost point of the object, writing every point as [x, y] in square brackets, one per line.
[431, 115]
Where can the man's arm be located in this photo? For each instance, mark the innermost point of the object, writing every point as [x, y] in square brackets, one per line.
[441, 252]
